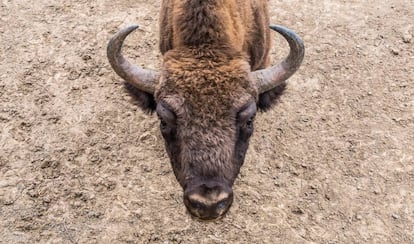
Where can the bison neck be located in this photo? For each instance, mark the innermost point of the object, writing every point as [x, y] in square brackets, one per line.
[207, 23]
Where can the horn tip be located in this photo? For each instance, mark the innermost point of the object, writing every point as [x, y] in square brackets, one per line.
[112, 47]
[290, 34]
[132, 27]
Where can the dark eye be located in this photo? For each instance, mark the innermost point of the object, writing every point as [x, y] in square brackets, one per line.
[167, 120]
[163, 124]
[246, 116]
[249, 122]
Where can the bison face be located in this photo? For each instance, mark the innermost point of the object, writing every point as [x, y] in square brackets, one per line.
[206, 127]
[206, 100]
[206, 159]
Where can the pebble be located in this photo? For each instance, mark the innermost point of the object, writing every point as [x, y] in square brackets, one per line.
[298, 211]
[395, 51]
[106, 147]
[75, 88]
[93, 214]
[396, 216]
[8, 201]
[377, 190]
[407, 38]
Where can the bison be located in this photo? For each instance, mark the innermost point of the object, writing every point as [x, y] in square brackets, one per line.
[214, 78]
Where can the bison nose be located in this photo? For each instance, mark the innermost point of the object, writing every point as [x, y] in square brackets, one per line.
[208, 200]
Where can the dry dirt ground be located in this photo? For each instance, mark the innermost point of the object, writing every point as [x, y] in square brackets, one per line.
[80, 163]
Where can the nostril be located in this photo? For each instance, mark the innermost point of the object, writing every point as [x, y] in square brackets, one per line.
[222, 205]
[195, 204]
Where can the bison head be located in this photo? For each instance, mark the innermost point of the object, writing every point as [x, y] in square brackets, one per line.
[206, 101]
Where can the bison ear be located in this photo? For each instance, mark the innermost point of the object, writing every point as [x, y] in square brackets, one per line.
[143, 99]
[269, 98]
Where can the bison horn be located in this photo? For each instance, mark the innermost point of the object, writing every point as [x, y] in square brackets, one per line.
[143, 79]
[269, 78]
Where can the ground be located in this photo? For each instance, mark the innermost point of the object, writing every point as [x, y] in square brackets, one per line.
[333, 162]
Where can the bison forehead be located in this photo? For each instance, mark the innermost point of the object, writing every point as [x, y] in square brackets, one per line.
[209, 87]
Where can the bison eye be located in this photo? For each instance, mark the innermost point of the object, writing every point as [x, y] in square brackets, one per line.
[246, 115]
[249, 122]
[163, 124]
[245, 120]
[167, 119]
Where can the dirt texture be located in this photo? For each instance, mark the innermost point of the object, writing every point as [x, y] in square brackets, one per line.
[333, 162]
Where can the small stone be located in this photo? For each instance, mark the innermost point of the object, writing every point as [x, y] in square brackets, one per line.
[313, 187]
[33, 193]
[407, 37]
[93, 214]
[94, 158]
[86, 57]
[8, 201]
[397, 119]
[106, 147]
[298, 211]
[358, 217]
[396, 216]
[395, 51]
[47, 199]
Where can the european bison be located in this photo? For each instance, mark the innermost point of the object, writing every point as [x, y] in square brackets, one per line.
[214, 77]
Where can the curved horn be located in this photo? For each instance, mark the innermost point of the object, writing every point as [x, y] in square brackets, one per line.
[143, 79]
[269, 78]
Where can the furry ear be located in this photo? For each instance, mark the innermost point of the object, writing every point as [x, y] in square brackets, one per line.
[271, 97]
[143, 99]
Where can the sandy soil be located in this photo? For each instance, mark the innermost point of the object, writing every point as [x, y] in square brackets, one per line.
[80, 163]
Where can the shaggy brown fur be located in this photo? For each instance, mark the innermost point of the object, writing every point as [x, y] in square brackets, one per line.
[239, 25]
[218, 24]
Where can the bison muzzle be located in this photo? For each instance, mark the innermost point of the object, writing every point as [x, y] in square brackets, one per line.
[215, 76]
